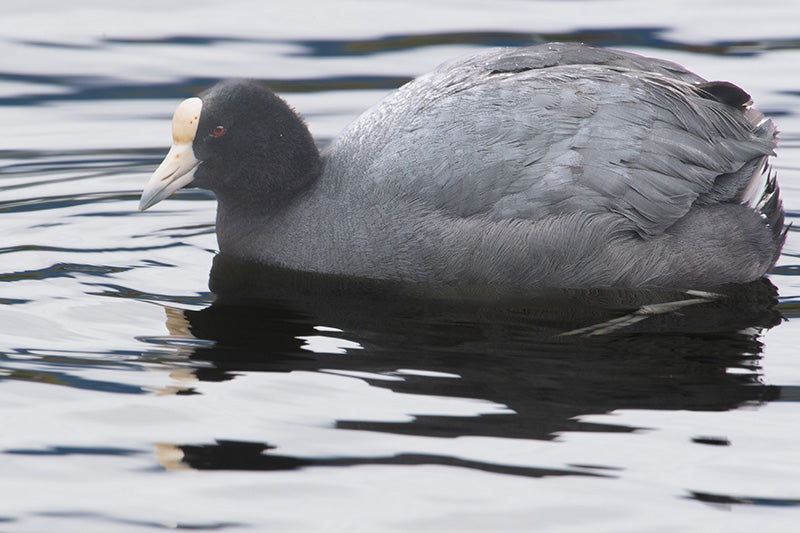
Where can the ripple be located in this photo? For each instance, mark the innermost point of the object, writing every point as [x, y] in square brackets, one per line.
[743, 500]
[74, 450]
[63, 270]
[233, 455]
[119, 291]
[650, 37]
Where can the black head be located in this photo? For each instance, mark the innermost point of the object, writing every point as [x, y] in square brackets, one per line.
[251, 142]
[241, 141]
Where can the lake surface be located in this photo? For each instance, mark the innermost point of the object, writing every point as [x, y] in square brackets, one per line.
[133, 399]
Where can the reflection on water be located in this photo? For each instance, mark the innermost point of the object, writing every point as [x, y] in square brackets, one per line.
[233, 455]
[651, 37]
[510, 350]
[89, 88]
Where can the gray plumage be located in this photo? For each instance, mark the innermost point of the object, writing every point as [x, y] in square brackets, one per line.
[557, 165]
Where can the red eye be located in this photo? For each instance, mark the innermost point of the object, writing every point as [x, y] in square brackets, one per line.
[219, 131]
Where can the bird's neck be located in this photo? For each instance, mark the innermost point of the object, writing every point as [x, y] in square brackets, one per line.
[252, 225]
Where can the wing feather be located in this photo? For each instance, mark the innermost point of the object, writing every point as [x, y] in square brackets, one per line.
[553, 130]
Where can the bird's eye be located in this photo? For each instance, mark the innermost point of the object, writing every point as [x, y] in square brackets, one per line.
[219, 131]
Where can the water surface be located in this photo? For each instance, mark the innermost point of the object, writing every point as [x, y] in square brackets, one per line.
[133, 399]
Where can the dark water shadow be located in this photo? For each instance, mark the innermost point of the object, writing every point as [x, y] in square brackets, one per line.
[656, 37]
[622, 36]
[255, 456]
[543, 356]
[727, 500]
[88, 87]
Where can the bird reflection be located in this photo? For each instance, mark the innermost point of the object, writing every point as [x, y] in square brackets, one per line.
[551, 358]
[237, 455]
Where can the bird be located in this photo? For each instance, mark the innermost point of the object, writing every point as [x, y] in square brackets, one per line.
[558, 165]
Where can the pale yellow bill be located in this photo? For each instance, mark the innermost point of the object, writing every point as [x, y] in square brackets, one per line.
[178, 168]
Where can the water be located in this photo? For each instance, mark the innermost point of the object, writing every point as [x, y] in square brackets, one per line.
[132, 400]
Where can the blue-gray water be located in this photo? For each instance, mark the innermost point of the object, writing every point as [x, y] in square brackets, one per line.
[128, 402]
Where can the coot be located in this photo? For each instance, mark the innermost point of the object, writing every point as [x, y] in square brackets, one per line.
[558, 165]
